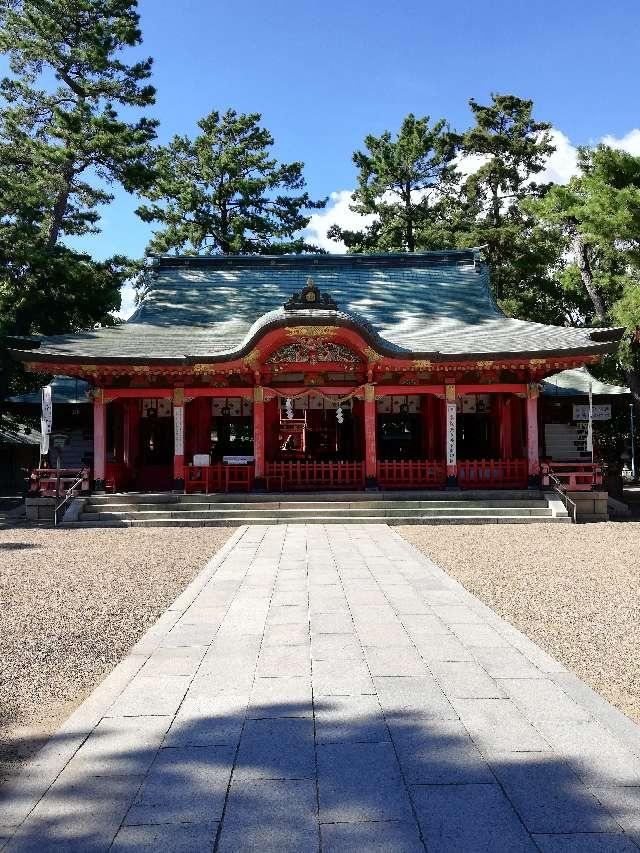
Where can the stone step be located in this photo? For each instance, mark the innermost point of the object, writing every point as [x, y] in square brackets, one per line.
[321, 497]
[294, 515]
[272, 506]
[314, 519]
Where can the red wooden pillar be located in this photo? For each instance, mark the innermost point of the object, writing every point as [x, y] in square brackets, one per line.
[506, 444]
[178, 438]
[533, 458]
[259, 437]
[370, 437]
[126, 432]
[99, 440]
[451, 455]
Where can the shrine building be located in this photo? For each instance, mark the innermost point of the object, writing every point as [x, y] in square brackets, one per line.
[294, 372]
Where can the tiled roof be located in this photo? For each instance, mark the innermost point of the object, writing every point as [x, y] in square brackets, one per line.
[65, 389]
[435, 304]
[16, 434]
[573, 383]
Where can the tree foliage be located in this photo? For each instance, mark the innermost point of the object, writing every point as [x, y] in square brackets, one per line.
[62, 143]
[223, 192]
[406, 183]
[598, 215]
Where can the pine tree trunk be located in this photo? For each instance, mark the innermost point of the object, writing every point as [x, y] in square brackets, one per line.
[60, 206]
[632, 376]
[408, 212]
[582, 259]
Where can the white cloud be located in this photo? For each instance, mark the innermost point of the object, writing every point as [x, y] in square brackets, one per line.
[337, 212]
[563, 163]
[128, 304]
[560, 167]
[630, 142]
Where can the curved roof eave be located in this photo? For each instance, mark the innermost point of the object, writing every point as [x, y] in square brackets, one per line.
[603, 341]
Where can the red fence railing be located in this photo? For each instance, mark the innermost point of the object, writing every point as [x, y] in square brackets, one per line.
[55, 482]
[572, 476]
[314, 475]
[492, 473]
[411, 474]
[218, 478]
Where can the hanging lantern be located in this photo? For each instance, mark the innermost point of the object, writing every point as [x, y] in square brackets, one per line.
[75, 411]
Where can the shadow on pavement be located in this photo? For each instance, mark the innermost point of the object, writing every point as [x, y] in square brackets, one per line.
[343, 774]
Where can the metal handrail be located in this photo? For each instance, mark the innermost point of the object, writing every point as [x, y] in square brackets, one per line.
[564, 497]
[69, 494]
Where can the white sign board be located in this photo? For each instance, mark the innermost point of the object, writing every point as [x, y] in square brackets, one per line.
[601, 412]
[178, 431]
[46, 419]
[238, 460]
[451, 433]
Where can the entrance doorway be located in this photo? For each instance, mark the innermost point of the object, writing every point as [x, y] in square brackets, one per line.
[155, 472]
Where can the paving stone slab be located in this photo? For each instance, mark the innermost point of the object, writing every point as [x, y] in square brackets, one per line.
[392, 836]
[289, 696]
[184, 785]
[548, 796]
[360, 781]
[581, 842]
[473, 818]
[272, 817]
[169, 838]
[275, 748]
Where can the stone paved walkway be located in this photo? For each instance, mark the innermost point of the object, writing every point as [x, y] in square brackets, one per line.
[329, 688]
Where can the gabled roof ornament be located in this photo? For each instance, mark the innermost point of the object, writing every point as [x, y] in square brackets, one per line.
[310, 297]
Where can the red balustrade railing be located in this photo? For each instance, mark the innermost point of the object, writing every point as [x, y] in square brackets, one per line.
[411, 474]
[492, 473]
[572, 476]
[314, 475]
[218, 477]
[55, 482]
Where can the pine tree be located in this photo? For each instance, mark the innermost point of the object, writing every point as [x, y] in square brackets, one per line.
[223, 192]
[61, 144]
[406, 183]
[598, 216]
[512, 148]
[63, 133]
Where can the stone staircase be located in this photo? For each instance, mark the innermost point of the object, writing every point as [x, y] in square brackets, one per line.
[169, 510]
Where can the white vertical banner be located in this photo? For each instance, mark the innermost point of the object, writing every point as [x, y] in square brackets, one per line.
[451, 433]
[46, 419]
[178, 430]
[590, 424]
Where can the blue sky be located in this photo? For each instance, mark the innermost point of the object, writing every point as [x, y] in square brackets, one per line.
[323, 75]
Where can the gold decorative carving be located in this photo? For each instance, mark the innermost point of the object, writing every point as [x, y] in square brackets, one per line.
[312, 331]
[89, 368]
[202, 368]
[258, 394]
[533, 390]
[450, 393]
[253, 358]
[178, 396]
[422, 364]
[312, 351]
[537, 362]
[483, 365]
[371, 354]
[369, 393]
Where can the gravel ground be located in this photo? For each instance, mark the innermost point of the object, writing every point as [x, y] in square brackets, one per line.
[573, 589]
[72, 604]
